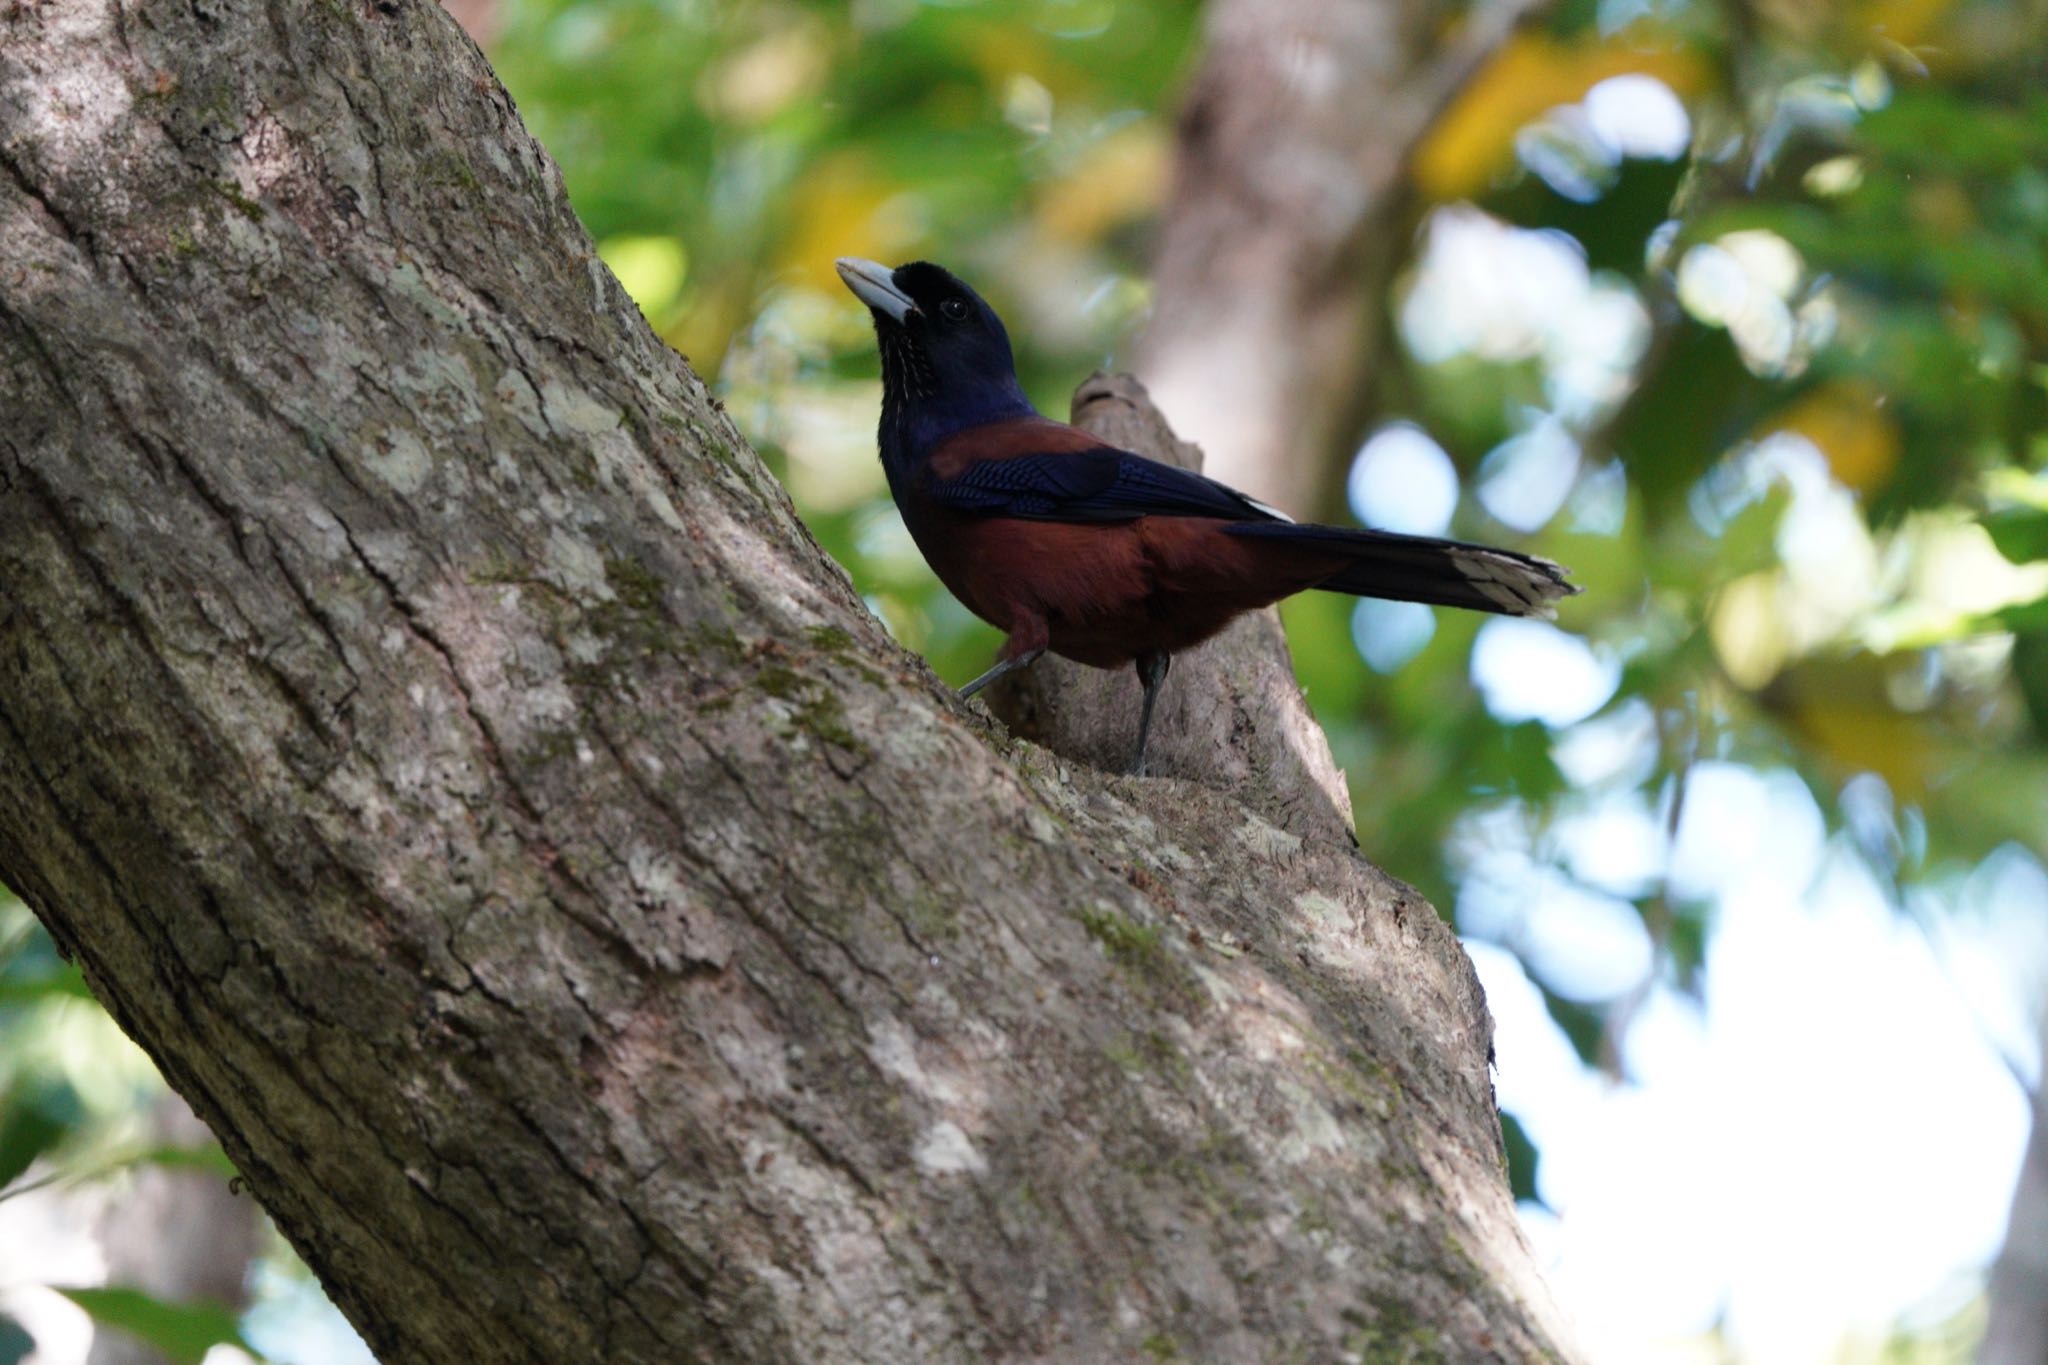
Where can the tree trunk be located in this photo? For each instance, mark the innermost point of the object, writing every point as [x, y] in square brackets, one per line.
[447, 753]
[2016, 1332]
[1290, 213]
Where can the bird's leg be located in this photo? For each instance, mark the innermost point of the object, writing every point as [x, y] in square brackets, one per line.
[1028, 639]
[1024, 660]
[1152, 665]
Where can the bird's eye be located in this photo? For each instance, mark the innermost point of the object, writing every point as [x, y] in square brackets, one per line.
[955, 309]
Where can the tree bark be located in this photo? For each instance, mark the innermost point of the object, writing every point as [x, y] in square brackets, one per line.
[1290, 213]
[446, 752]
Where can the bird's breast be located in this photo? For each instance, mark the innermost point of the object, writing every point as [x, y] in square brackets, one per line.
[1106, 592]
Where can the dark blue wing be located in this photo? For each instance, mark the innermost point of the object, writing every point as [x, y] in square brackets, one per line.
[1091, 485]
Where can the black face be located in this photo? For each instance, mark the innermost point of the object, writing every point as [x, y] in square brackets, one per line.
[946, 361]
[926, 317]
[964, 343]
[941, 296]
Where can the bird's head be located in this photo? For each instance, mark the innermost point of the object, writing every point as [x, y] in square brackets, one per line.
[946, 361]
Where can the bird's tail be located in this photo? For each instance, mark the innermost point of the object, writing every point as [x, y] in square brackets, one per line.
[1443, 573]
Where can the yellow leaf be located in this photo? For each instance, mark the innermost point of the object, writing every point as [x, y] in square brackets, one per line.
[712, 312]
[1748, 631]
[1846, 420]
[1531, 73]
[1943, 208]
[1869, 737]
[842, 207]
[1121, 178]
[1000, 50]
[1905, 22]
[1841, 709]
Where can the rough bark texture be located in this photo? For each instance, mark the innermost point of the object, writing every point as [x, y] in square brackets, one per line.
[446, 752]
[1288, 218]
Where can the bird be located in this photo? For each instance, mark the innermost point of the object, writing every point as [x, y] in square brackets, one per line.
[1100, 555]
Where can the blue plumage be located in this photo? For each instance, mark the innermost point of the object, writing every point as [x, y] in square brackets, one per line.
[1099, 485]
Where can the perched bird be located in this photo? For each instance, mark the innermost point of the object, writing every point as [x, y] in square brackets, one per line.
[1095, 553]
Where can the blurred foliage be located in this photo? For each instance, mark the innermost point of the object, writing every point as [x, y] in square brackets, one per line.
[1831, 451]
[74, 1101]
[1806, 494]
[182, 1332]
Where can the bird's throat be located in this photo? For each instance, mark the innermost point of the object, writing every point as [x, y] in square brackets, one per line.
[920, 408]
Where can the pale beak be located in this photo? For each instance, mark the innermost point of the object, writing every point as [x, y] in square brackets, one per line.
[874, 284]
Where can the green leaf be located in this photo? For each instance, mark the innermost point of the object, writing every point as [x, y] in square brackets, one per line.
[1584, 1025]
[184, 1332]
[2030, 670]
[15, 1342]
[206, 1158]
[1685, 939]
[1522, 1160]
[1694, 401]
[1750, 543]
[2020, 533]
[61, 980]
[34, 1119]
[2021, 618]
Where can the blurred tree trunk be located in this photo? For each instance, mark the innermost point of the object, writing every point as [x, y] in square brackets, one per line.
[445, 751]
[2017, 1333]
[480, 19]
[1290, 212]
[180, 1236]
